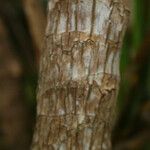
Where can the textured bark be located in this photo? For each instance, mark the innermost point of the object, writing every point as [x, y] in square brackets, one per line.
[79, 75]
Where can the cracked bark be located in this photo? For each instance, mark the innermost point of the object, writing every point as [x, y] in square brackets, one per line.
[79, 74]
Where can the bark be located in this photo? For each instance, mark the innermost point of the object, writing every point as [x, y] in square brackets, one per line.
[79, 74]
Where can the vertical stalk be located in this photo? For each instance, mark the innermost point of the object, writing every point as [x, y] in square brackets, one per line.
[79, 74]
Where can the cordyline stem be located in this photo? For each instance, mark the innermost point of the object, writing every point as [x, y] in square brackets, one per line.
[79, 75]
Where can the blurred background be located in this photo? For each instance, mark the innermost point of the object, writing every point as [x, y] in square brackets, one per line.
[22, 27]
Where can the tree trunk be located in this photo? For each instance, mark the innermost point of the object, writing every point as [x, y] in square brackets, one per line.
[79, 74]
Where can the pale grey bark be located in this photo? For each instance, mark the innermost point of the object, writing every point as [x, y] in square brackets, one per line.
[79, 74]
